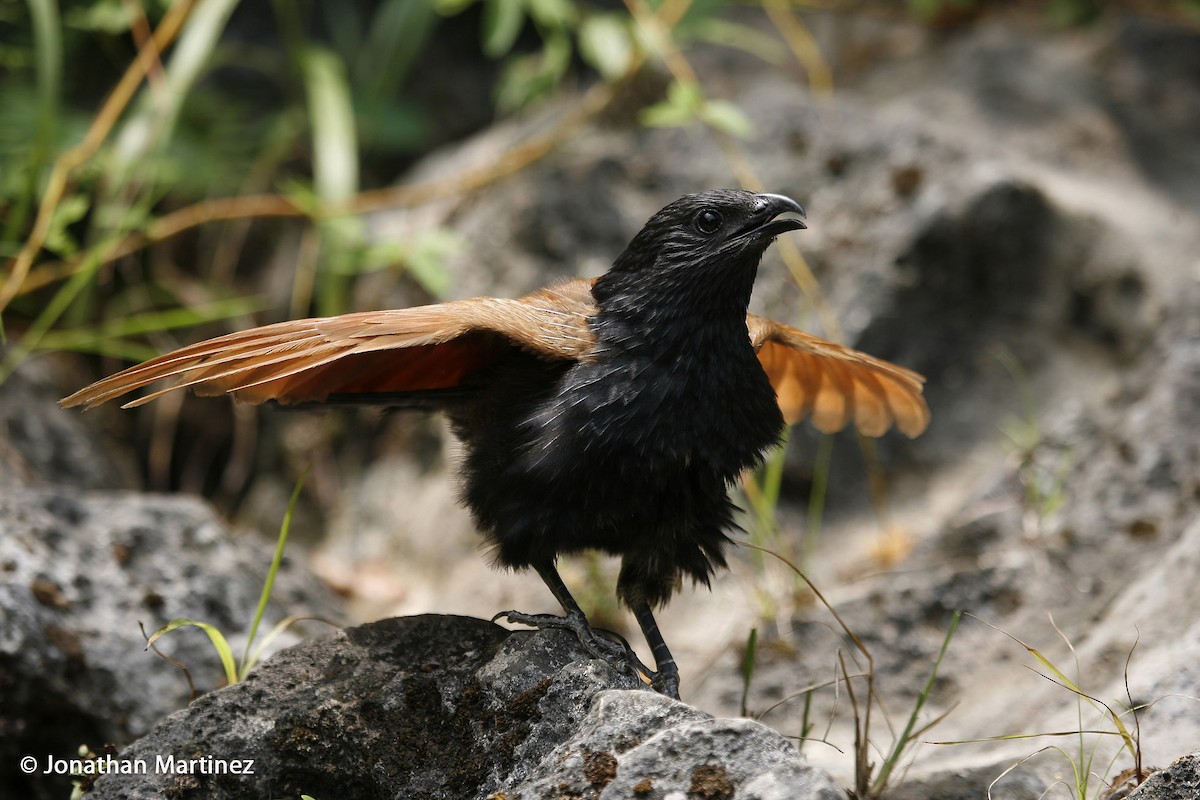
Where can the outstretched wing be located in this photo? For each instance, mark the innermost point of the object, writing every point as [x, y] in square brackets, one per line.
[835, 385]
[375, 353]
[389, 354]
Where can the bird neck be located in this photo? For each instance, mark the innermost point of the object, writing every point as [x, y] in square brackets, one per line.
[673, 310]
[655, 294]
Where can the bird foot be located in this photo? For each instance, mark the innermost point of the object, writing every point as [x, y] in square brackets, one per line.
[665, 681]
[604, 645]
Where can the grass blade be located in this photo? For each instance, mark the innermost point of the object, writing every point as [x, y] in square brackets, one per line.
[335, 171]
[816, 497]
[269, 584]
[331, 113]
[395, 40]
[50, 314]
[47, 36]
[109, 337]
[218, 640]
[153, 122]
[748, 666]
[903, 741]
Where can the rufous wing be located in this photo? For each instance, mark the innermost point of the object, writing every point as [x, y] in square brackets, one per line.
[388, 354]
[374, 353]
[835, 385]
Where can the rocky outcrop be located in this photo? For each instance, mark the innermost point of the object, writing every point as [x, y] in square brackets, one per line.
[453, 708]
[1180, 781]
[80, 574]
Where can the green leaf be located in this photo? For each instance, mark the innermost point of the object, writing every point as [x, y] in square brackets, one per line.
[382, 255]
[215, 636]
[553, 14]
[528, 77]
[667, 115]
[502, 23]
[423, 257]
[100, 16]
[52, 311]
[686, 94]
[727, 118]
[682, 107]
[301, 195]
[556, 56]
[72, 209]
[606, 44]
[426, 261]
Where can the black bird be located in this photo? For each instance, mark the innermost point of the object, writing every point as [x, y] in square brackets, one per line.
[609, 414]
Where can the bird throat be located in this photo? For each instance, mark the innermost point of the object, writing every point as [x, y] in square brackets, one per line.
[696, 296]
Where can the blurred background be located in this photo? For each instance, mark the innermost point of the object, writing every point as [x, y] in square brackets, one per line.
[1002, 195]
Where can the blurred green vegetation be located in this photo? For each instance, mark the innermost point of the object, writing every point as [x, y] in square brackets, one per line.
[117, 114]
[151, 153]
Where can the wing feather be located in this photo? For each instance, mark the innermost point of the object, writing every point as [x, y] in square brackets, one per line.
[391, 353]
[365, 353]
[834, 385]
[833, 407]
[871, 413]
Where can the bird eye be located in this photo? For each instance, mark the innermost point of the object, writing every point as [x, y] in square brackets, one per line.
[707, 221]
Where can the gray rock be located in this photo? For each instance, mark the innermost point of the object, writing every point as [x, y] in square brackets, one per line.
[634, 744]
[40, 444]
[398, 708]
[78, 573]
[1180, 781]
[454, 707]
[972, 784]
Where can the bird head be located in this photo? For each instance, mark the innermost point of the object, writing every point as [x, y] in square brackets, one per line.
[710, 242]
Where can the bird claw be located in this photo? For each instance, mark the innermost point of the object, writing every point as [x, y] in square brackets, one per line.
[665, 682]
[617, 654]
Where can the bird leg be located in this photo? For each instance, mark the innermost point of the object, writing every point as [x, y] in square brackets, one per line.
[608, 647]
[666, 679]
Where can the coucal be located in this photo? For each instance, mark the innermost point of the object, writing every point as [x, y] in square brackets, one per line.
[609, 414]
